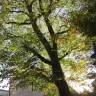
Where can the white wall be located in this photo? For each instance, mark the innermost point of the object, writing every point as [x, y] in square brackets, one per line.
[4, 93]
[24, 92]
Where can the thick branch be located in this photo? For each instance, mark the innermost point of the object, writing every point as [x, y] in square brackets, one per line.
[41, 37]
[19, 12]
[41, 7]
[27, 48]
[29, 5]
[51, 6]
[67, 53]
[64, 56]
[52, 33]
[60, 33]
[32, 2]
[18, 23]
[49, 26]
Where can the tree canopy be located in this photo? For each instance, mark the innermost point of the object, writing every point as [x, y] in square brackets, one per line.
[35, 36]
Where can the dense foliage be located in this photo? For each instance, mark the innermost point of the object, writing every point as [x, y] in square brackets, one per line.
[36, 35]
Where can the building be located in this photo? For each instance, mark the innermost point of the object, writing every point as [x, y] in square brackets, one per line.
[20, 92]
[4, 92]
[24, 92]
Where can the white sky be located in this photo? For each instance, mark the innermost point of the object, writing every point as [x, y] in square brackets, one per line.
[4, 85]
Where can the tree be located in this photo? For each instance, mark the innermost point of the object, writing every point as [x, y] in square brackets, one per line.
[33, 16]
[85, 20]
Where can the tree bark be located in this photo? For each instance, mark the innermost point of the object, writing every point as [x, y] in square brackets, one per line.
[62, 88]
[59, 81]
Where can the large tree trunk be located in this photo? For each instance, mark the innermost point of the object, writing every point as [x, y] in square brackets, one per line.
[59, 80]
[62, 88]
